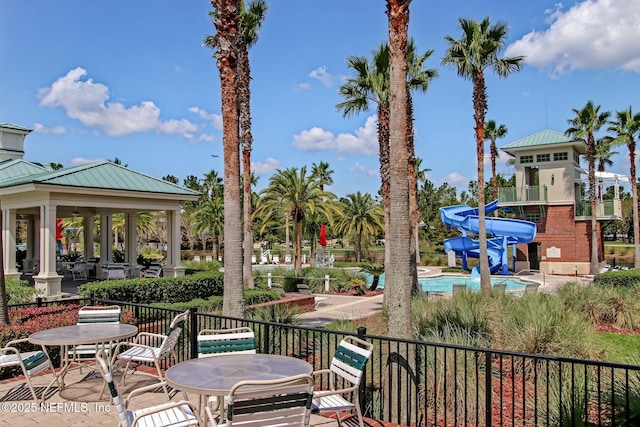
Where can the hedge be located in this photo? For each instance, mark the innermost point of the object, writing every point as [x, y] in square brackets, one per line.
[618, 278]
[158, 289]
[214, 303]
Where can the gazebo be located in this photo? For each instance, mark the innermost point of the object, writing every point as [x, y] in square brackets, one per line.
[38, 195]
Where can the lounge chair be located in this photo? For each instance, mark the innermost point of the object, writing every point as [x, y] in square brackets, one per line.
[305, 290]
[278, 287]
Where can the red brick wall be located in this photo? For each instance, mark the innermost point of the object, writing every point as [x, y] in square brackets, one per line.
[559, 229]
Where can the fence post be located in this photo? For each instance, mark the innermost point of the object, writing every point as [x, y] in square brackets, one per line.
[362, 331]
[39, 301]
[193, 332]
[487, 391]
[269, 279]
[326, 283]
[266, 334]
[91, 299]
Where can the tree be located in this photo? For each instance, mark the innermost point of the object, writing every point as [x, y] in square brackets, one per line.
[226, 18]
[626, 127]
[294, 192]
[476, 51]
[584, 126]
[209, 219]
[362, 216]
[370, 84]
[418, 78]
[322, 172]
[492, 132]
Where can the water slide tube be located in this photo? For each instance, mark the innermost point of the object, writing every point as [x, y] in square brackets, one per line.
[505, 231]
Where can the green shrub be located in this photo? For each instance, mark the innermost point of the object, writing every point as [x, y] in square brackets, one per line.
[160, 289]
[214, 303]
[18, 291]
[618, 278]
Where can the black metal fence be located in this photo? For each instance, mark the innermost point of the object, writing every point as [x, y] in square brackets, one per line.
[431, 384]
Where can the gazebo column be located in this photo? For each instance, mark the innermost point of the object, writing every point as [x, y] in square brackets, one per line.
[32, 244]
[88, 227]
[173, 267]
[47, 282]
[106, 243]
[9, 241]
[131, 239]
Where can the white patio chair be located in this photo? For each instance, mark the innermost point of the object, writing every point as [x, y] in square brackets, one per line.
[215, 342]
[151, 348]
[346, 368]
[173, 413]
[283, 402]
[116, 272]
[88, 315]
[317, 299]
[30, 362]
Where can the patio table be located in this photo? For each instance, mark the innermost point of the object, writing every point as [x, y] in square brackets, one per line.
[216, 375]
[68, 336]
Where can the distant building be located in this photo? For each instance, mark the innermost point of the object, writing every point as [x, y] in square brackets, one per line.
[550, 191]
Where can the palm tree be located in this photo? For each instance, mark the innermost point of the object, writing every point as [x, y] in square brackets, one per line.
[476, 51]
[375, 270]
[401, 268]
[626, 127]
[362, 216]
[370, 84]
[209, 219]
[584, 125]
[418, 79]
[226, 18]
[322, 173]
[293, 191]
[492, 132]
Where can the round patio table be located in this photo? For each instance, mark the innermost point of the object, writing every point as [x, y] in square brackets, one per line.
[216, 375]
[69, 336]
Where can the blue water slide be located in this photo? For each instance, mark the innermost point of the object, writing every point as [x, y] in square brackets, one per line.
[505, 231]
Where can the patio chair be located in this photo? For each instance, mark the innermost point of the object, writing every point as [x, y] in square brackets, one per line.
[317, 299]
[215, 342]
[30, 362]
[116, 272]
[151, 272]
[108, 314]
[79, 271]
[175, 413]
[283, 402]
[151, 348]
[278, 288]
[346, 369]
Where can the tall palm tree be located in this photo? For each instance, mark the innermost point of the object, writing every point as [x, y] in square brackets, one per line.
[370, 85]
[322, 172]
[584, 126]
[209, 219]
[401, 269]
[604, 153]
[492, 132]
[418, 79]
[226, 18]
[626, 127]
[293, 191]
[362, 216]
[477, 50]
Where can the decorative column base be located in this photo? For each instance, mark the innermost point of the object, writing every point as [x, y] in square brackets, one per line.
[173, 271]
[48, 286]
[13, 275]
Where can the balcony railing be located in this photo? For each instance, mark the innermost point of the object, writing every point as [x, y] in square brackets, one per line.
[529, 193]
[423, 383]
[605, 209]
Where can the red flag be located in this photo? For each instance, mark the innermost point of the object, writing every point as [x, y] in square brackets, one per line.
[323, 236]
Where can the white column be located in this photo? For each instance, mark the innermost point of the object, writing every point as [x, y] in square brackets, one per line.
[9, 240]
[131, 239]
[106, 239]
[48, 281]
[173, 267]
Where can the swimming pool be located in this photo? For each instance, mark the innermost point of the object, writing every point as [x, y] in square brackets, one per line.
[444, 283]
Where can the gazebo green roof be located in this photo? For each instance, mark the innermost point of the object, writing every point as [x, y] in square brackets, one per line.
[543, 139]
[98, 175]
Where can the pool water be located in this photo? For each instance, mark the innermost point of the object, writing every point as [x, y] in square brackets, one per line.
[445, 283]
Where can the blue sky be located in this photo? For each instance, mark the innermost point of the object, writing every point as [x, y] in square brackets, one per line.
[131, 79]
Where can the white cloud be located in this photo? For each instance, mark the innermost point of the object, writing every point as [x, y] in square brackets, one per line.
[182, 128]
[322, 75]
[455, 179]
[593, 34]
[301, 87]
[363, 141]
[215, 119]
[77, 161]
[270, 165]
[207, 137]
[87, 102]
[56, 130]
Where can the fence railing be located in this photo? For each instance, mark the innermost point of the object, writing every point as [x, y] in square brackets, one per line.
[422, 383]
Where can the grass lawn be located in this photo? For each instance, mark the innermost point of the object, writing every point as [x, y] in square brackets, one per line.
[621, 348]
